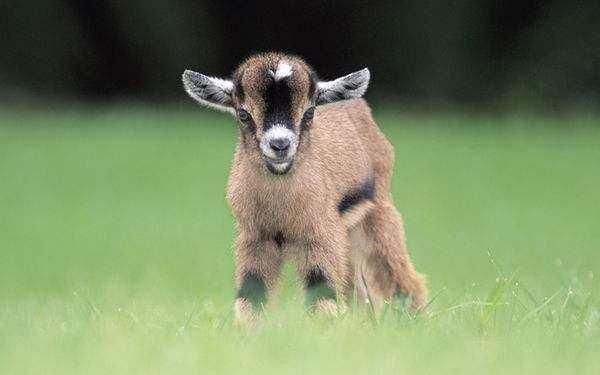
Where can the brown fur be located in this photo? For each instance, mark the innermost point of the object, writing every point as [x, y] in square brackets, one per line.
[295, 216]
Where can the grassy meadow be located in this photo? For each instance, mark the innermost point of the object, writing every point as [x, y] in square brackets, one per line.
[116, 250]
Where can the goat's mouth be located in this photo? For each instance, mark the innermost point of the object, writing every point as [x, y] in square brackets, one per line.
[279, 166]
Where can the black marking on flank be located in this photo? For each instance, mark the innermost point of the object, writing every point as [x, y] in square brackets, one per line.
[316, 283]
[254, 290]
[366, 191]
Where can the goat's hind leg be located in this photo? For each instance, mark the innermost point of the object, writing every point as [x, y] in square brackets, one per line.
[373, 280]
[390, 255]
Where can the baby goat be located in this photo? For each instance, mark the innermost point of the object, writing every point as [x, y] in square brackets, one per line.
[310, 182]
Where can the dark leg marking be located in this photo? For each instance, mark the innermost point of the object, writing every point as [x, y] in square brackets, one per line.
[316, 287]
[254, 290]
[402, 298]
[366, 191]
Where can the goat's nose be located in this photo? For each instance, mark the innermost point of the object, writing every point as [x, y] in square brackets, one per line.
[279, 144]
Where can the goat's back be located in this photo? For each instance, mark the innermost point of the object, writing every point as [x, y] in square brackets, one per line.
[349, 143]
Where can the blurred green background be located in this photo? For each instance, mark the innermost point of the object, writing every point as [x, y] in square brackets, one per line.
[116, 239]
[88, 199]
[541, 54]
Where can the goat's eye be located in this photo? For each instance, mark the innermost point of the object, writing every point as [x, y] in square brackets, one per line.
[309, 114]
[243, 115]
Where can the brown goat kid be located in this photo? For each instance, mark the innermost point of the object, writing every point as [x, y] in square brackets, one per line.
[310, 183]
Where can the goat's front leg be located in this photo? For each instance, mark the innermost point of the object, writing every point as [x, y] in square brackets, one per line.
[258, 265]
[325, 271]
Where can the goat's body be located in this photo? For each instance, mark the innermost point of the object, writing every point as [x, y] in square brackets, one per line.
[332, 211]
[310, 182]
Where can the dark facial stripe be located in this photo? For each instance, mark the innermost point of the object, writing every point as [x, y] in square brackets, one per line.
[317, 287]
[366, 191]
[278, 101]
[254, 290]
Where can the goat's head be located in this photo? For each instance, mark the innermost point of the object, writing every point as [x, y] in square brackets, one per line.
[273, 97]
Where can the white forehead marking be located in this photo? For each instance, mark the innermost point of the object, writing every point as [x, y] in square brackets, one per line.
[283, 70]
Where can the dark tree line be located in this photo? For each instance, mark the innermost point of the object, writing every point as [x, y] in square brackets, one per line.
[540, 52]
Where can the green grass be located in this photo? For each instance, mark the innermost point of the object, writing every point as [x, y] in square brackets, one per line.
[116, 251]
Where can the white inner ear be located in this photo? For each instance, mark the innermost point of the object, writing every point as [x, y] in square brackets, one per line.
[353, 85]
[209, 91]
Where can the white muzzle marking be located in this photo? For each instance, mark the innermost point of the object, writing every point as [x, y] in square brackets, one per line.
[278, 132]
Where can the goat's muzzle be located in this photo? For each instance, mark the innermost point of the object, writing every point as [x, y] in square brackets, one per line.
[278, 147]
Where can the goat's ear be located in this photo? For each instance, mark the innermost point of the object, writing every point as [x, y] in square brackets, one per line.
[351, 86]
[209, 91]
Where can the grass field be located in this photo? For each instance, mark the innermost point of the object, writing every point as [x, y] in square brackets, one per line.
[116, 251]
